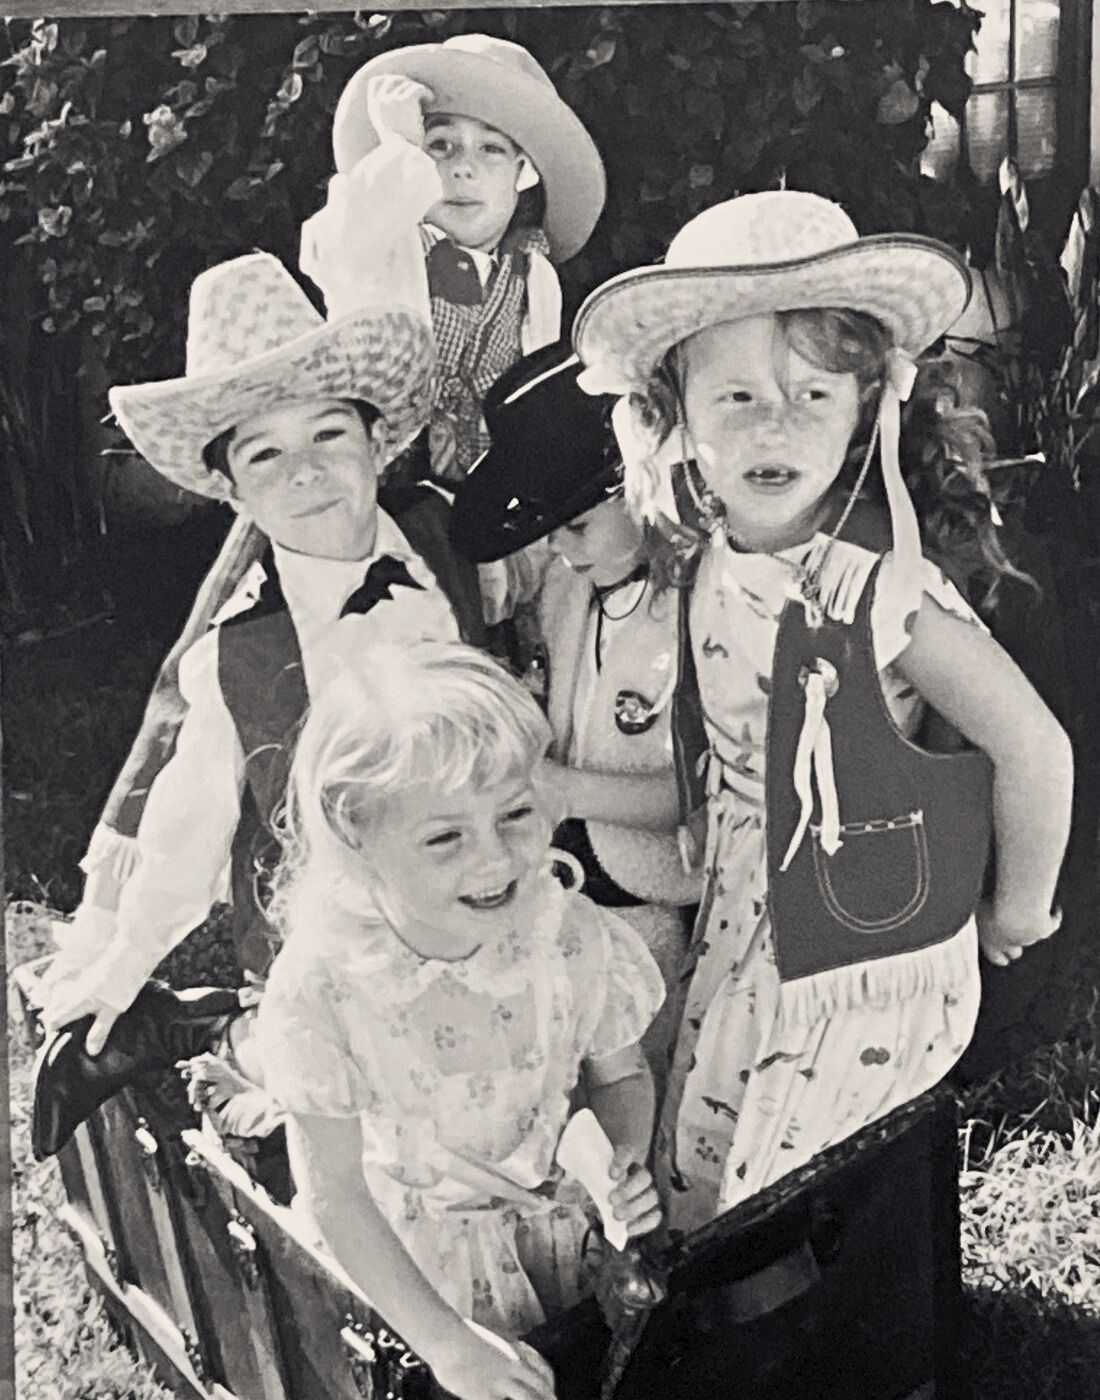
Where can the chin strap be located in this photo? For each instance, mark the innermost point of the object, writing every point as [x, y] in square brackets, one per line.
[901, 372]
[813, 764]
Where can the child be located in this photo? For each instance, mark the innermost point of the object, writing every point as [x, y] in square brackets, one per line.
[437, 999]
[289, 419]
[609, 635]
[446, 154]
[834, 960]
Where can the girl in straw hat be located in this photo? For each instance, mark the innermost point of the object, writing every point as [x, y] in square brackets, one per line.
[437, 1000]
[833, 971]
[289, 419]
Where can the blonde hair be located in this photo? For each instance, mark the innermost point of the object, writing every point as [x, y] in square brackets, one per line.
[390, 717]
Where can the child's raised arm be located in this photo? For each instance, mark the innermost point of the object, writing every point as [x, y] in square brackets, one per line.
[968, 678]
[326, 1159]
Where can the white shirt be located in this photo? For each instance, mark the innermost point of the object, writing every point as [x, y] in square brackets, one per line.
[193, 809]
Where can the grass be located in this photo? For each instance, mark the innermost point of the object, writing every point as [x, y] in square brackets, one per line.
[65, 1348]
[1030, 1187]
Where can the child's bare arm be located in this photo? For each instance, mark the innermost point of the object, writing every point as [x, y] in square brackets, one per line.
[645, 801]
[620, 1091]
[973, 682]
[326, 1159]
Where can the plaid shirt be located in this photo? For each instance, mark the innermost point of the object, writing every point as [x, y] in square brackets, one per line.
[478, 336]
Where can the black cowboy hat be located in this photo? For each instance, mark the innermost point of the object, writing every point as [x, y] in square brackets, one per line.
[553, 457]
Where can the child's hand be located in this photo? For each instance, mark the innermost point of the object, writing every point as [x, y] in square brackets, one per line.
[481, 1370]
[395, 106]
[68, 1001]
[634, 1200]
[1003, 934]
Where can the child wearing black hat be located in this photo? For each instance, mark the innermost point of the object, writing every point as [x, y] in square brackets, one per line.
[609, 640]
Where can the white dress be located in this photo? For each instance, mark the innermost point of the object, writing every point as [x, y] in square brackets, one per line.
[750, 1097]
[460, 1073]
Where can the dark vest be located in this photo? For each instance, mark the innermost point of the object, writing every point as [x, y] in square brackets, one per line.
[263, 684]
[915, 826]
[899, 882]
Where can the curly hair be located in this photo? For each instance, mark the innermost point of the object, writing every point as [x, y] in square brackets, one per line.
[944, 449]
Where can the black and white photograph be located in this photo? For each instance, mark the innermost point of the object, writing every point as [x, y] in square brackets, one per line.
[549, 665]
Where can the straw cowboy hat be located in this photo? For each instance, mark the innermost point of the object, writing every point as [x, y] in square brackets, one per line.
[553, 457]
[499, 83]
[782, 250]
[254, 341]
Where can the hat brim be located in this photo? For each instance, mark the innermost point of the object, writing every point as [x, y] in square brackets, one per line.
[528, 111]
[385, 357]
[490, 519]
[917, 288]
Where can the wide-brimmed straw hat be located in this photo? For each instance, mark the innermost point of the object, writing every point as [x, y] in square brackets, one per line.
[553, 456]
[499, 83]
[782, 250]
[254, 341]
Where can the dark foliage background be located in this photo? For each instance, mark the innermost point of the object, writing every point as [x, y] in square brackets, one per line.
[142, 150]
[138, 151]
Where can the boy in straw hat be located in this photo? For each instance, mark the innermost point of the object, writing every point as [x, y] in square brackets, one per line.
[459, 157]
[460, 166]
[833, 973]
[290, 419]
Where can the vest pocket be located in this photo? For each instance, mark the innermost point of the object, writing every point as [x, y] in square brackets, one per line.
[878, 879]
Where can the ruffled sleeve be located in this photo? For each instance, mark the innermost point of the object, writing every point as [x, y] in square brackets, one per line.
[302, 1034]
[628, 986]
[898, 599]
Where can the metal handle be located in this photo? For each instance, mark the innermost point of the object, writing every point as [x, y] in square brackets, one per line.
[242, 1241]
[150, 1148]
[145, 1139]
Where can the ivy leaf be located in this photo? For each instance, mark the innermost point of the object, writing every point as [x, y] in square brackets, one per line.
[193, 57]
[186, 30]
[602, 51]
[897, 104]
[306, 52]
[291, 88]
[54, 222]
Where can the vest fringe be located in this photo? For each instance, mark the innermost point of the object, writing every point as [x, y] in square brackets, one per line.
[111, 853]
[940, 967]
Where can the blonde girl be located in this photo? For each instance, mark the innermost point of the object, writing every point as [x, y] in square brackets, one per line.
[439, 998]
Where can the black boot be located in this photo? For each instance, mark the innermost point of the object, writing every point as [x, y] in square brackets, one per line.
[161, 1027]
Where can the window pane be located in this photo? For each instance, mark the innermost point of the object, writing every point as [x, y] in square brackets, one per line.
[940, 157]
[1037, 39]
[1036, 130]
[990, 63]
[987, 133]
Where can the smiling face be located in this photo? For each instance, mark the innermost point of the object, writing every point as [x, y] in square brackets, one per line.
[770, 429]
[480, 168]
[453, 870]
[307, 474]
[604, 543]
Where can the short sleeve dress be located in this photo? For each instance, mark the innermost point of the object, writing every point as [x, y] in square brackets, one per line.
[461, 1073]
[749, 1097]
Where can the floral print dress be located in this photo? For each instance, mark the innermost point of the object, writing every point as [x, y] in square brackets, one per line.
[461, 1073]
[750, 1097]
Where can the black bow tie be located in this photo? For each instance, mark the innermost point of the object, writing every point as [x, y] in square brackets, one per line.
[382, 575]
